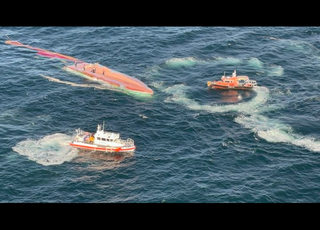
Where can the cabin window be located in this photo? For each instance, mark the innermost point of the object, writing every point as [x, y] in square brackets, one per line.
[104, 139]
[98, 138]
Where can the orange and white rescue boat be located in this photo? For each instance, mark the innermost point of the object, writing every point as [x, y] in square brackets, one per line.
[102, 141]
[233, 82]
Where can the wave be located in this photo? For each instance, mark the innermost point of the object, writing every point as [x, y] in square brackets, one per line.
[49, 150]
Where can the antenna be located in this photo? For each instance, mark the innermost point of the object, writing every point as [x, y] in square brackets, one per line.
[103, 126]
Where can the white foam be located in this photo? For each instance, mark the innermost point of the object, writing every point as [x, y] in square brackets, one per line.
[271, 70]
[182, 62]
[179, 96]
[275, 70]
[255, 63]
[151, 71]
[50, 150]
[273, 38]
[268, 129]
[302, 46]
[191, 61]
[296, 45]
[100, 86]
[157, 85]
[276, 132]
[229, 60]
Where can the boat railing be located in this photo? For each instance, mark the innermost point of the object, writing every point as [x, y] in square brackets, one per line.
[127, 143]
[79, 132]
[83, 137]
[252, 82]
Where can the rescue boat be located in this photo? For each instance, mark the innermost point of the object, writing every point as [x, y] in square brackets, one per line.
[233, 82]
[102, 141]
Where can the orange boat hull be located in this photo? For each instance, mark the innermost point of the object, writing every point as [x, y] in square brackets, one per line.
[223, 85]
[116, 79]
[95, 71]
[230, 87]
[102, 149]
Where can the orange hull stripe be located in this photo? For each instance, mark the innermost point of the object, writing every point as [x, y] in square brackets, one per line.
[102, 149]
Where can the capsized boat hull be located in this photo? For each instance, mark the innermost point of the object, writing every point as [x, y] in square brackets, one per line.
[92, 147]
[113, 78]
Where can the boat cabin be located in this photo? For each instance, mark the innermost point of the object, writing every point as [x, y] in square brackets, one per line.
[235, 80]
[105, 138]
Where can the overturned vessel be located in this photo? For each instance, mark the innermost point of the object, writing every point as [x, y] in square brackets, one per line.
[233, 82]
[120, 81]
[102, 141]
[96, 72]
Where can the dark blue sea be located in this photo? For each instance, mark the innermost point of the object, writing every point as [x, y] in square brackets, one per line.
[194, 145]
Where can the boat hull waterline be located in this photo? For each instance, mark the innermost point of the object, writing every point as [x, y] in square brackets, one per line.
[217, 86]
[96, 148]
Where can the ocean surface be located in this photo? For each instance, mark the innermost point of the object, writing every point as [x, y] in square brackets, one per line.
[194, 145]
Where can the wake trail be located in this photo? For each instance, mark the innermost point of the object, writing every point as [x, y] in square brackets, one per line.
[50, 150]
[74, 84]
[179, 96]
[250, 117]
